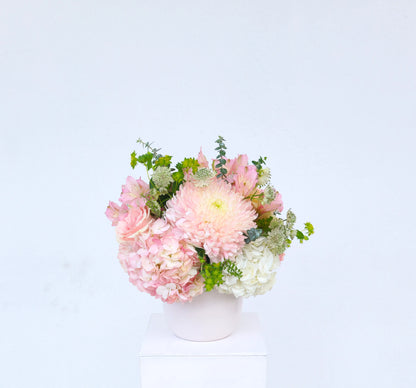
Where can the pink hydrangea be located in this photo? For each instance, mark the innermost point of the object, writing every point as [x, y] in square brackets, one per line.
[154, 254]
[164, 266]
[212, 217]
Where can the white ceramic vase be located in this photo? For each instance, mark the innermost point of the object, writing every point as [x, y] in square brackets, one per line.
[208, 317]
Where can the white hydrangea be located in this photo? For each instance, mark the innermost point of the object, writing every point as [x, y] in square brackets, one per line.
[258, 265]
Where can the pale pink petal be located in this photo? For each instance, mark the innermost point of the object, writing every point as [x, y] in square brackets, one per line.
[202, 160]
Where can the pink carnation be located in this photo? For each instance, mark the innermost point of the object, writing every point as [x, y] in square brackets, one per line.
[212, 217]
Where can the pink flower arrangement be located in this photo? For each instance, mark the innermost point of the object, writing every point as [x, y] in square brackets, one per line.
[185, 231]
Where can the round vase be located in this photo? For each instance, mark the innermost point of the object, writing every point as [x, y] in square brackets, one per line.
[208, 317]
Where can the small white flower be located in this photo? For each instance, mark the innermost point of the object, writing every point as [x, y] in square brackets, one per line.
[264, 176]
[269, 195]
[203, 177]
[162, 177]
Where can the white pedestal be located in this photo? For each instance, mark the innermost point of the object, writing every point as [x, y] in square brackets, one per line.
[236, 361]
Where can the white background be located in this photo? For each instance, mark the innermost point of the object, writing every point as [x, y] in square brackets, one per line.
[325, 89]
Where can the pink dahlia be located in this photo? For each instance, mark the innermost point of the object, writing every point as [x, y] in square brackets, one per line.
[212, 217]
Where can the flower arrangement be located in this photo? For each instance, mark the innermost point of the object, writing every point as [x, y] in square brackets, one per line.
[199, 226]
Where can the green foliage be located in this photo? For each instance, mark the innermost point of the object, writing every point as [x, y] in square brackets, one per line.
[259, 163]
[178, 177]
[164, 181]
[213, 272]
[309, 228]
[149, 148]
[264, 224]
[221, 160]
[253, 234]
[182, 167]
[232, 269]
[163, 161]
[201, 254]
[150, 158]
[154, 207]
[281, 232]
[301, 237]
[133, 159]
[146, 160]
[307, 231]
[191, 163]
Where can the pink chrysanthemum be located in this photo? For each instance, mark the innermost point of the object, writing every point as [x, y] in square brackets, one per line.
[213, 217]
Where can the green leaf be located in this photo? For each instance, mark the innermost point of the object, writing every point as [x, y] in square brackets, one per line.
[190, 163]
[200, 252]
[146, 160]
[232, 269]
[212, 274]
[259, 162]
[163, 161]
[309, 228]
[264, 224]
[134, 160]
[252, 235]
[300, 235]
[178, 176]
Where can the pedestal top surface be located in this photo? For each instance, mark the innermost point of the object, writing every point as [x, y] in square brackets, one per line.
[247, 340]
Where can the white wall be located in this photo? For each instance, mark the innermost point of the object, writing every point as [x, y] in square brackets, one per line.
[325, 89]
